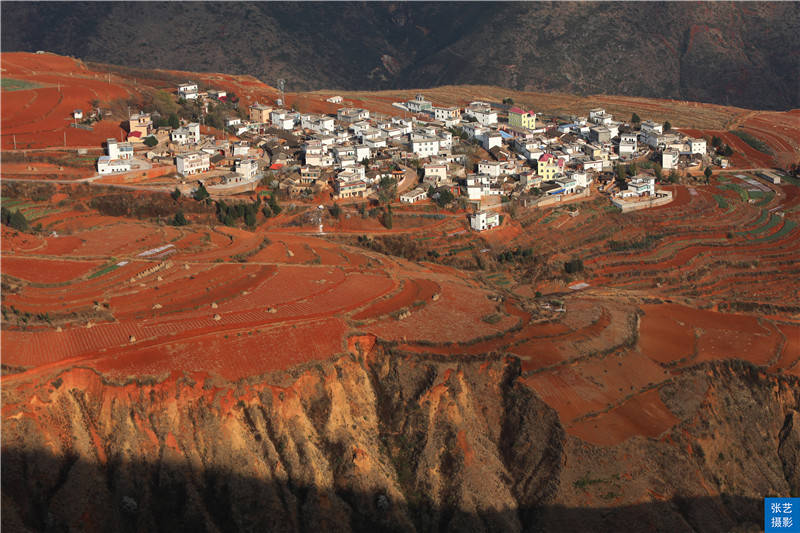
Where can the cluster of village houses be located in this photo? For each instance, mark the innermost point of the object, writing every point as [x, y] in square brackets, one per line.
[351, 152]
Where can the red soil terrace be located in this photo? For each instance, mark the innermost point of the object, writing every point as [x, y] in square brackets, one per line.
[132, 298]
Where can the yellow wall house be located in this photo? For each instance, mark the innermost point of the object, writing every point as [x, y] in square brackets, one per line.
[548, 166]
[521, 119]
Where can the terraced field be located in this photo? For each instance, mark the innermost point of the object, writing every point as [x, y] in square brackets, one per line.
[710, 276]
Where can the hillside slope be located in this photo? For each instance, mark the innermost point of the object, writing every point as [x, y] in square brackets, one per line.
[742, 54]
[385, 444]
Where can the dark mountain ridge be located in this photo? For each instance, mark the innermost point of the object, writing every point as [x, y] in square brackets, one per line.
[743, 54]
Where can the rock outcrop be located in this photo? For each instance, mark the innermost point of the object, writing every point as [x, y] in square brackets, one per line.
[383, 442]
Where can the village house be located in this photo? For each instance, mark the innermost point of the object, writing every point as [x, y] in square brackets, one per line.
[318, 123]
[529, 179]
[599, 116]
[344, 150]
[490, 168]
[241, 148]
[424, 146]
[351, 114]
[596, 165]
[192, 163]
[446, 114]
[490, 139]
[483, 220]
[419, 104]
[434, 173]
[582, 179]
[217, 94]
[698, 146]
[188, 91]
[648, 126]
[186, 134]
[599, 134]
[549, 166]
[669, 159]
[246, 167]
[362, 152]
[260, 112]
[347, 188]
[521, 119]
[565, 185]
[77, 114]
[374, 144]
[639, 185]
[413, 196]
[390, 131]
[480, 185]
[139, 126]
[316, 154]
[627, 143]
[334, 100]
[119, 150]
[482, 112]
[309, 175]
[531, 149]
[283, 119]
[106, 165]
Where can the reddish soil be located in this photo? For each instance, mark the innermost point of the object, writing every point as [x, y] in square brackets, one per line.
[412, 291]
[42, 115]
[233, 354]
[644, 414]
[51, 271]
[225, 301]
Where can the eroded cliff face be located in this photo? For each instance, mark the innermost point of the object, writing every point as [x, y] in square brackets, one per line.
[383, 443]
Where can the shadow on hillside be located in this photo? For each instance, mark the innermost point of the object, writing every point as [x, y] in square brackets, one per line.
[42, 492]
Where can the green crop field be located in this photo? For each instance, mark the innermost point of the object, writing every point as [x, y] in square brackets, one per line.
[9, 84]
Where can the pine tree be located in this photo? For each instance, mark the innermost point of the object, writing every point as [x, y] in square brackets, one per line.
[180, 219]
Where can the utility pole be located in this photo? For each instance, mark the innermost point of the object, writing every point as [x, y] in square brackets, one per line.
[15, 142]
[65, 139]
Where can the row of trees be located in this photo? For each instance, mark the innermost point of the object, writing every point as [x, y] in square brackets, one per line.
[230, 215]
[14, 219]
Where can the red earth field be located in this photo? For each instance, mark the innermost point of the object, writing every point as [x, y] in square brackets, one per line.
[132, 298]
[39, 116]
[711, 276]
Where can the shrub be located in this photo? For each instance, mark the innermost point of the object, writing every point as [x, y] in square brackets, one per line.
[180, 219]
[387, 219]
[573, 266]
[273, 205]
[494, 318]
[201, 193]
[150, 141]
[444, 198]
